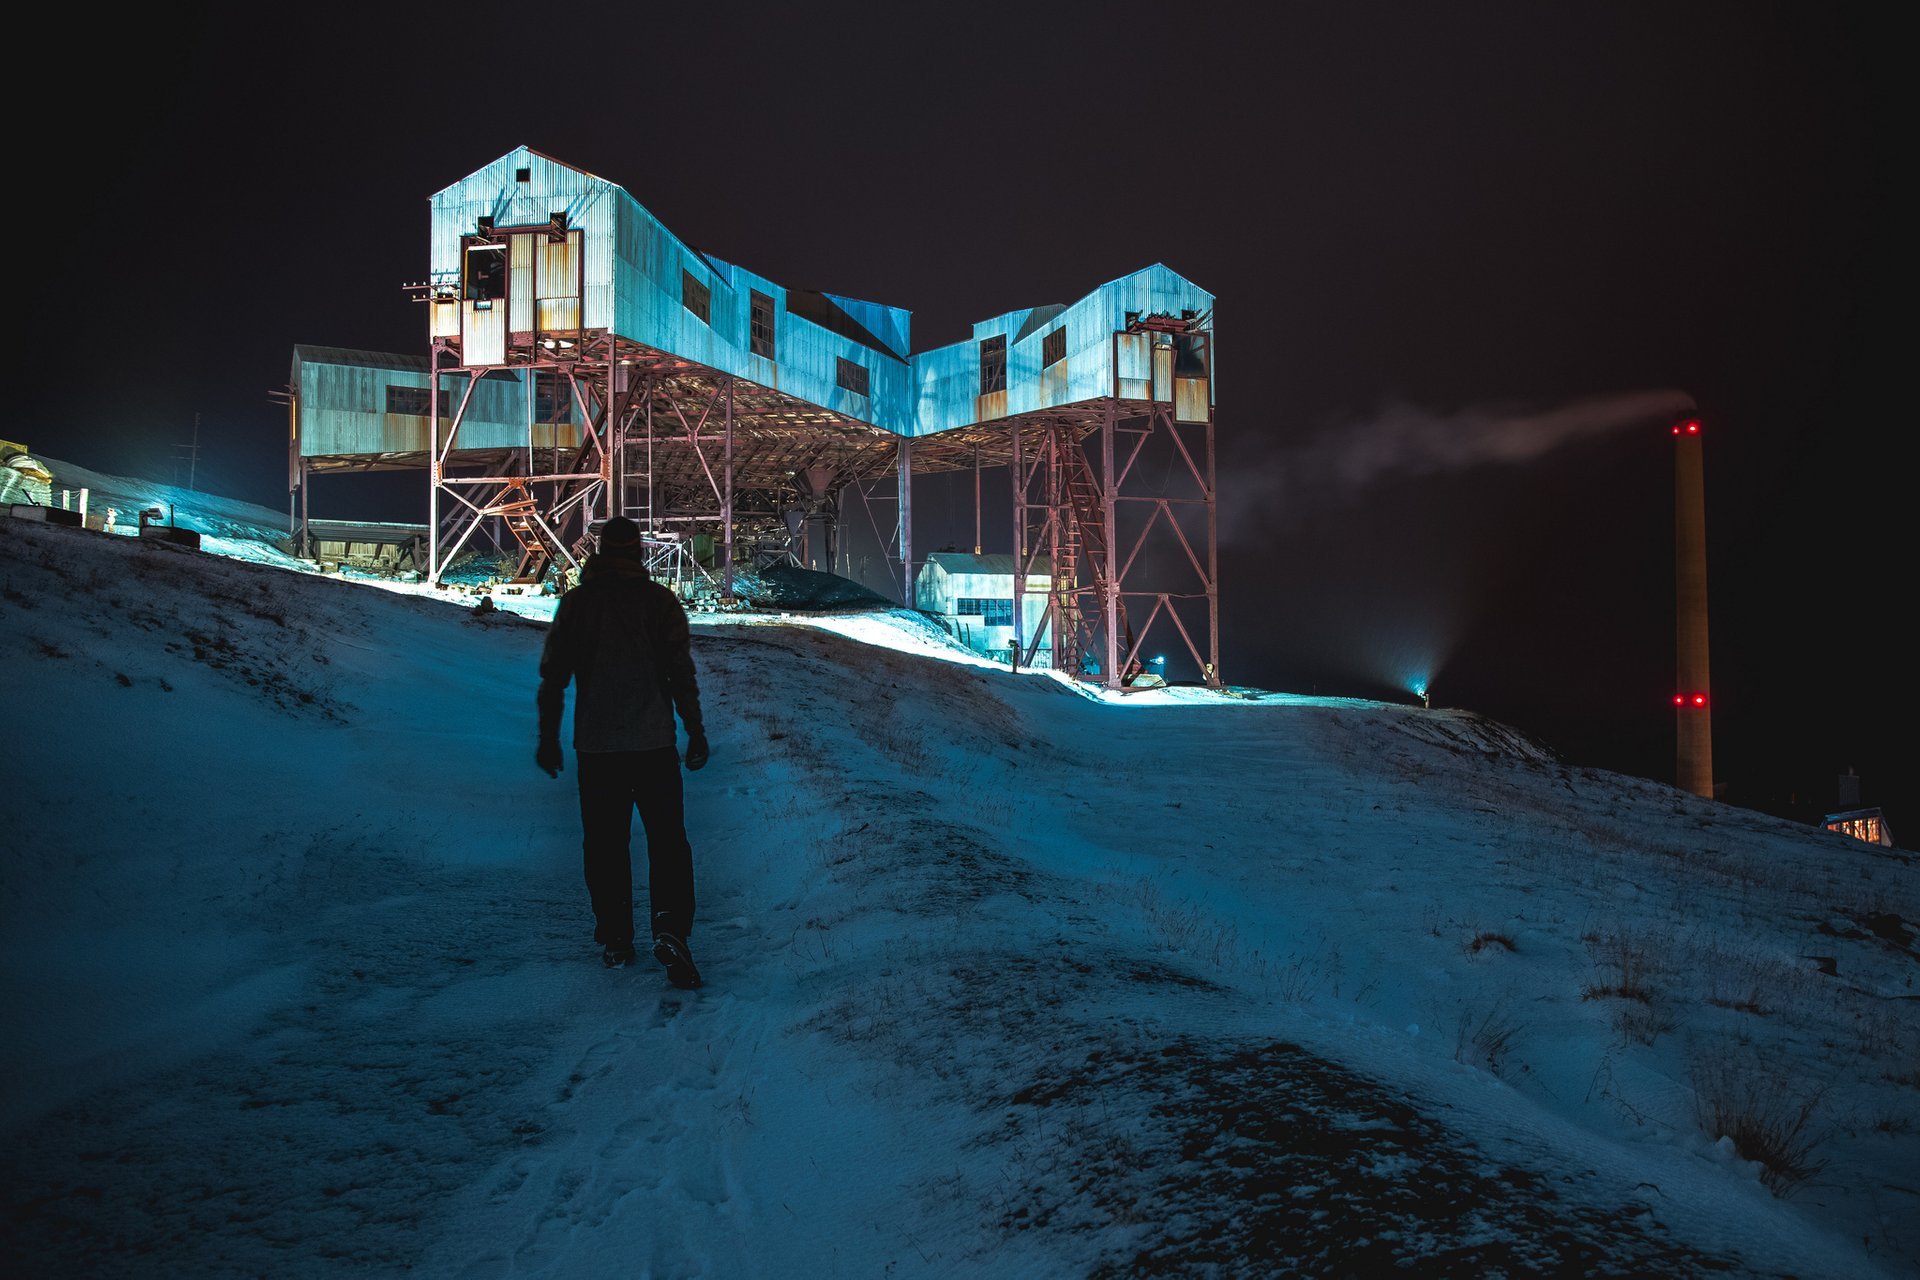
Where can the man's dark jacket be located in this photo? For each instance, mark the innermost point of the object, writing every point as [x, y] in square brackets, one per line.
[622, 639]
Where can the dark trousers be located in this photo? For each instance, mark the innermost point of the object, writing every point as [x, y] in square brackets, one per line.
[612, 785]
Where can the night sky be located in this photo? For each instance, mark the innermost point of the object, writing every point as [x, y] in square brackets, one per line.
[1465, 256]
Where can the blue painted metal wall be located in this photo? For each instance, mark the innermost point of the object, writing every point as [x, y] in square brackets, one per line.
[632, 283]
[341, 399]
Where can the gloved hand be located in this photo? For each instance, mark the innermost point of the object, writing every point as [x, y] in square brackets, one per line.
[548, 757]
[696, 750]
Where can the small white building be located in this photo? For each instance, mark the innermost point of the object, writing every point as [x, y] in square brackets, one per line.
[973, 595]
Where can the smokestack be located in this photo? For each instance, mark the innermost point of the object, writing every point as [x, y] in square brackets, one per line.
[1692, 699]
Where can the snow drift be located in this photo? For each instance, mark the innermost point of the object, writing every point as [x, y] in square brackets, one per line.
[301, 979]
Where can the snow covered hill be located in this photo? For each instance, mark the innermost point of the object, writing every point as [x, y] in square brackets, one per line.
[1003, 980]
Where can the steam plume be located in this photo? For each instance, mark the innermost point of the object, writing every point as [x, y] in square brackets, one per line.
[1404, 440]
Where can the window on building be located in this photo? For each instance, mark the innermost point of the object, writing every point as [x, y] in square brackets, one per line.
[760, 323]
[523, 175]
[694, 296]
[850, 375]
[485, 277]
[1053, 347]
[992, 613]
[413, 400]
[1189, 359]
[993, 365]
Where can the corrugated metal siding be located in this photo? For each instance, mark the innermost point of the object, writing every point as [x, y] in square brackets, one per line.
[342, 409]
[649, 260]
[947, 378]
[551, 188]
[629, 265]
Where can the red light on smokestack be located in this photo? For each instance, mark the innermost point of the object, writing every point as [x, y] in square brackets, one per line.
[1691, 427]
[1689, 699]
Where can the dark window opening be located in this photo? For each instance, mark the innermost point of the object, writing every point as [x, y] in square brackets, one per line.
[412, 400]
[1189, 358]
[551, 397]
[993, 365]
[760, 324]
[695, 296]
[850, 375]
[523, 175]
[486, 273]
[1053, 347]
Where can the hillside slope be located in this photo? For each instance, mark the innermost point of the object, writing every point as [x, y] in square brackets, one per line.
[301, 977]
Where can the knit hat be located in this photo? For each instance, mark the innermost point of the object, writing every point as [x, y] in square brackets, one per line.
[619, 532]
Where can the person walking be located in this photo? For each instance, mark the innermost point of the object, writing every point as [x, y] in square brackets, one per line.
[621, 638]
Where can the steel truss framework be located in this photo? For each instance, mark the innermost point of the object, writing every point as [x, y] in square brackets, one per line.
[1082, 497]
[683, 449]
[686, 451]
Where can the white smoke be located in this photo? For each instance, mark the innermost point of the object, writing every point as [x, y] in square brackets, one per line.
[1406, 441]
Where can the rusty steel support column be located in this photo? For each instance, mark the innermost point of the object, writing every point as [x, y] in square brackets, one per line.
[1212, 534]
[726, 501]
[1693, 701]
[976, 500]
[306, 537]
[1019, 544]
[1110, 587]
[433, 465]
[907, 592]
[1062, 621]
[616, 441]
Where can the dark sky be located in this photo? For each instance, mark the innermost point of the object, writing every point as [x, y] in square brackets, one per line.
[1430, 228]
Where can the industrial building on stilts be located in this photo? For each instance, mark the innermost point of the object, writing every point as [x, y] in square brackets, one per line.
[582, 361]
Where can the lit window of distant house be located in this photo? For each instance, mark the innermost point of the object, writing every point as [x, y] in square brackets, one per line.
[993, 365]
[694, 296]
[761, 324]
[1053, 347]
[849, 375]
[413, 400]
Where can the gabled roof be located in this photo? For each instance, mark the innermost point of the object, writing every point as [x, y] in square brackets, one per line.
[967, 562]
[305, 353]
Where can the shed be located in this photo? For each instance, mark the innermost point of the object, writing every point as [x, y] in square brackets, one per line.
[973, 596]
[372, 546]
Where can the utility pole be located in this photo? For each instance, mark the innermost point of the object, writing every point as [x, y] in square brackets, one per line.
[193, 456]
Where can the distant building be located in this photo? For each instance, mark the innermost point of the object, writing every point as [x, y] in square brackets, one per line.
[1861, 824]
[973, 596]
[23, 479]
[1854, 819]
